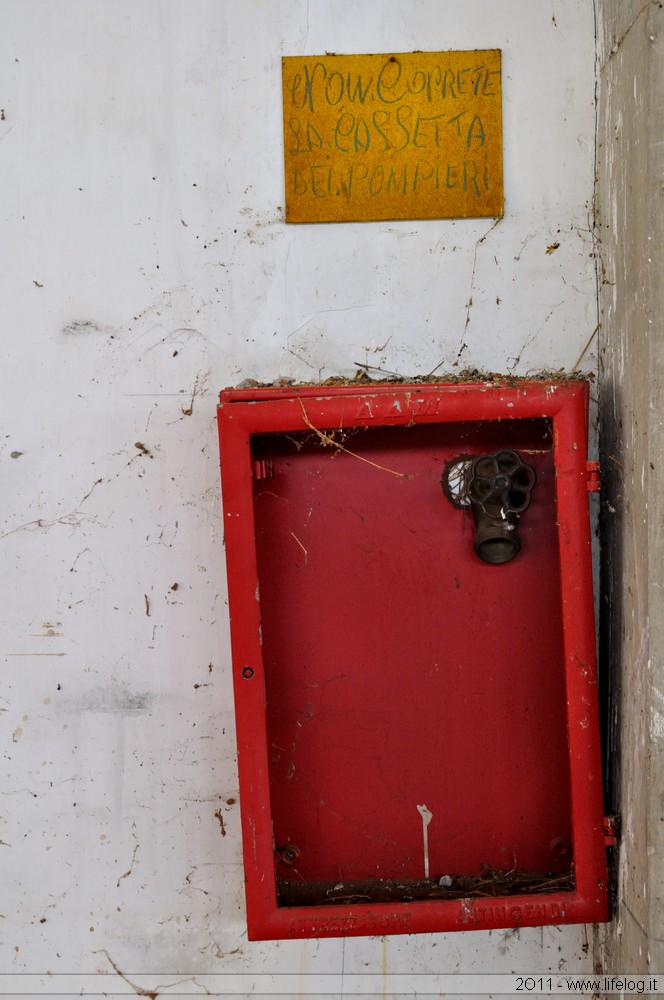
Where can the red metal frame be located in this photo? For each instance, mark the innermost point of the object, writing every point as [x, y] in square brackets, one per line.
[246, 413]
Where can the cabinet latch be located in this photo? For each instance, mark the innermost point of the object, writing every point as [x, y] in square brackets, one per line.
[262, 468]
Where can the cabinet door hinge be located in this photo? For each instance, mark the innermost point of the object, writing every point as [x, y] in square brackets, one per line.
[611, 830]
[592, 473]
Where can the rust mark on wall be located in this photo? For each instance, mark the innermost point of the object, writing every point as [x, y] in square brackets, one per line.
[199, 386]
[131, 866]
[220, 818]
[51, 631]
[138, 990]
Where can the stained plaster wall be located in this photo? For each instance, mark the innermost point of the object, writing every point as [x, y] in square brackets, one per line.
[631, 244]
[146, 264]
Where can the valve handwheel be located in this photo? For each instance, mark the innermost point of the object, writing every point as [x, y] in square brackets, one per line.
[500, 482]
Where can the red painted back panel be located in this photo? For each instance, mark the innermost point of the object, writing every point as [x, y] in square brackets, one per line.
[400, 669]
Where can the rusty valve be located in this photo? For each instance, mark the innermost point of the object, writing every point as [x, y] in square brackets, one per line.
[497, 488]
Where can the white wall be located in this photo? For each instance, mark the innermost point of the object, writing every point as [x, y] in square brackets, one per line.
[146, 265]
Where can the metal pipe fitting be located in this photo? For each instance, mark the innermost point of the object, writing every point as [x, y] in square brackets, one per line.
[497, 488]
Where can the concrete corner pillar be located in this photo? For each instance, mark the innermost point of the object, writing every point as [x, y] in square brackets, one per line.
[630, 247]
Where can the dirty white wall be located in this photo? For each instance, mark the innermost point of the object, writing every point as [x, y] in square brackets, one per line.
[145, 265]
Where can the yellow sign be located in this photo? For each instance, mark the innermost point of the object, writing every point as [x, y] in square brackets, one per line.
[415, 135]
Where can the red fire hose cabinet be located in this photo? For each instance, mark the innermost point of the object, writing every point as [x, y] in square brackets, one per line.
[412, 631]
